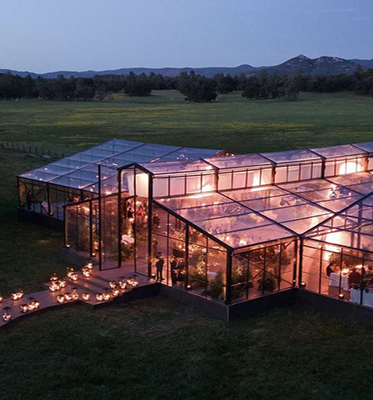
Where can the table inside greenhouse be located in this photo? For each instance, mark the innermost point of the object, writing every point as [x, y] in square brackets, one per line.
[335, 278]
[367, 297]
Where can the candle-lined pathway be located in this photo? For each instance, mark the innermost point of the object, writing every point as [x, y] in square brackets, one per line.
[96, 288]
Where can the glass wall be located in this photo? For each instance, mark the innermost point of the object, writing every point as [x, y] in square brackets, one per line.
[33, 196]
[343, 166]
[341, 160]
[263, 270]
[184, 257]
[368, 146]
[47, 198]
[80, 227]
[296, 165]
[338, 272]
[242, 171]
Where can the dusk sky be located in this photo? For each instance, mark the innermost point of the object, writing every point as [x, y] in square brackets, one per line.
[46, 35]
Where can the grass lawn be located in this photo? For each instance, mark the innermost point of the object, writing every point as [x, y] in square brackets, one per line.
[232, 123]
[156, 349]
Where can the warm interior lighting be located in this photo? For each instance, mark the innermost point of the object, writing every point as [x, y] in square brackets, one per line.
[1, 298]
[348, 167]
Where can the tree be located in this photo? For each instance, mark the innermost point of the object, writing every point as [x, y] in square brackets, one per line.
[196, 88]
[11, 86]
[224, 83]
[137, 85]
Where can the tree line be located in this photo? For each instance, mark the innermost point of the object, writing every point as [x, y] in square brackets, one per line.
[195, 88]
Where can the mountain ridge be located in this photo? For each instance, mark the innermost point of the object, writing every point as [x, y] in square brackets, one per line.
[324, 65]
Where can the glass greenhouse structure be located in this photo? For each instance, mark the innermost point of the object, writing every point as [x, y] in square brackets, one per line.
[230, 228]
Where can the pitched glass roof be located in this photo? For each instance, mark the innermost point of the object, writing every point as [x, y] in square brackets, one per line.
[367, 146]
[292, 156]
[361, 182]
[81, 169]
[171, 167]
[239, 161]
[339, 151]
[227, 220]
[324, 193]
[352, 228]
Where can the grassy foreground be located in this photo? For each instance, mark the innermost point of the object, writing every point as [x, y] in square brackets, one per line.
[155, 349]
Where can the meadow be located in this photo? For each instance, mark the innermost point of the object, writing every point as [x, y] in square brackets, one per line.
[154, 348]
[231, 123]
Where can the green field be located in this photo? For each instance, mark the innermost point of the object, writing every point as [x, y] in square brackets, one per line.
[156, 349]
[231, 123]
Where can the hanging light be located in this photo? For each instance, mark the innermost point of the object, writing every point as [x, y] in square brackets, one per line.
[62, 283]
[7, 315]
[115, 292]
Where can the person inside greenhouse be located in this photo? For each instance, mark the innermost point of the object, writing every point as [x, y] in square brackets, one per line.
[156, 220]
[354, 277]
[174, 270]
[159, 266]
[329, 269]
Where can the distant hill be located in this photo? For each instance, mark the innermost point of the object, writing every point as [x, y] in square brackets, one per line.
[317, 66]
[172, 72]
[364, 63]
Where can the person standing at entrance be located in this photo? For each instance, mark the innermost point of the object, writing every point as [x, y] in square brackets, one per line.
[159, 266]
